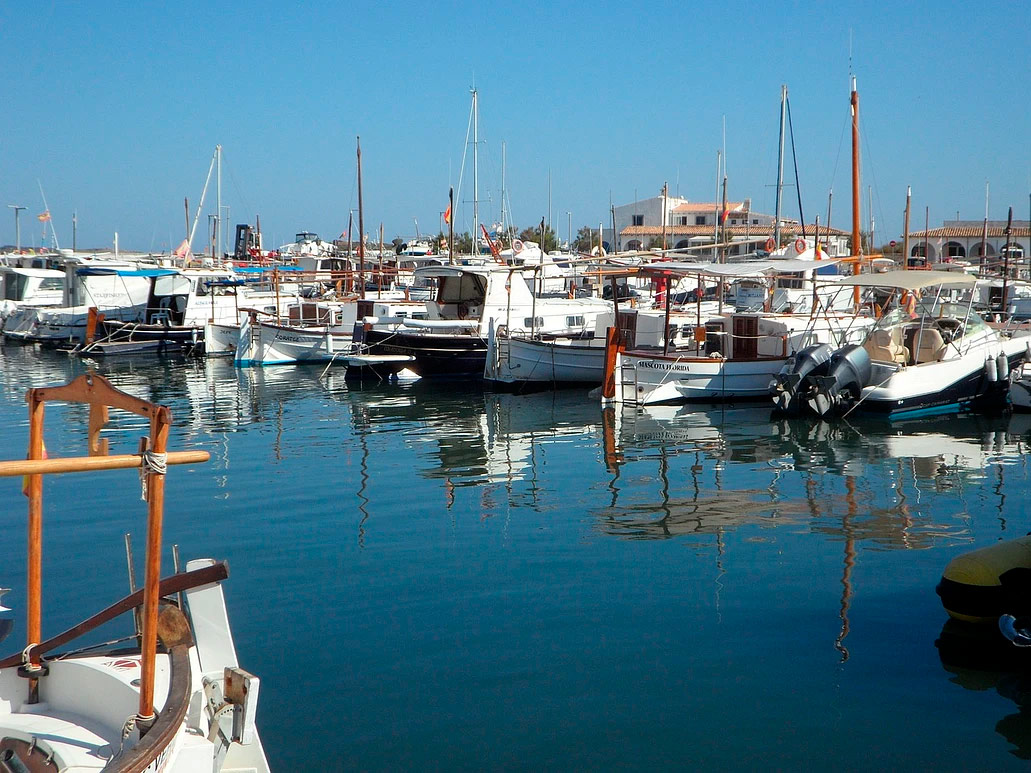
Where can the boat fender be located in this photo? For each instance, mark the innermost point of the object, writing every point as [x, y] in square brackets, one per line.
[799, 246]
[979, 586]
[1002, 366]
[990, 370]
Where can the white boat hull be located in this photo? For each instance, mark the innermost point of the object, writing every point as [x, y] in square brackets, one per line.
[263, 343]
[644, 379]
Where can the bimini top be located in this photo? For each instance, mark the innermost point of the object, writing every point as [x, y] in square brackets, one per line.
[96, 271]
[909, 280]
[752, 268]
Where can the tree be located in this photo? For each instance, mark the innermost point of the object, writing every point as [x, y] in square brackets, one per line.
[533, 234]
[655, 243]
[463, 244]
[586, 238]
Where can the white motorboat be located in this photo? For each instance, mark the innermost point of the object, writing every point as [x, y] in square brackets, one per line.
[929, 353]
[126, 706]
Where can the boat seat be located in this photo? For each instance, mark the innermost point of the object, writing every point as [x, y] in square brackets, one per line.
[882, 347]
[930, 345]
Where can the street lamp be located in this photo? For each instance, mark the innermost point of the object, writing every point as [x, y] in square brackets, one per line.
[17, 226]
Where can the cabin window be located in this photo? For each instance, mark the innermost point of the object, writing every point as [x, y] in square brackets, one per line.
[529, 322]
[14, 287]
[699, 220]
[638, 219]
[575, 321]
[469, 289]
[52, 283]
[38, 263]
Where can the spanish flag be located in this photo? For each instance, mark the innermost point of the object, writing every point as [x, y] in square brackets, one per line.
[447, 215]
[43, 216]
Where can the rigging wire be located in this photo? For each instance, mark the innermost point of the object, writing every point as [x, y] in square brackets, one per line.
[794, 159]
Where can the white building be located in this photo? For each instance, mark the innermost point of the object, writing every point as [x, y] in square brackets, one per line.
[964, 240]
[641, 224]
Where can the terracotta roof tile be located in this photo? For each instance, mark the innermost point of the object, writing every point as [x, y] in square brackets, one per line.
[734, 230]
[968, 232]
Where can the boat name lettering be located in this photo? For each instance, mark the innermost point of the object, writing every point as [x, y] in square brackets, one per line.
[673, 366]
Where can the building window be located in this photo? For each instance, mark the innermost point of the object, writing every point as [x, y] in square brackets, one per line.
[683, 220]
[954, 250]
[755, 221]
[699, 219]
[733, 222]
[638, 219]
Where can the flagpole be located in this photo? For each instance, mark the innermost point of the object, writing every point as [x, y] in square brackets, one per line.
[46, 209]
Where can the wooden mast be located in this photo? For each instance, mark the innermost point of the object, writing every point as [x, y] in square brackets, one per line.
[361, 225]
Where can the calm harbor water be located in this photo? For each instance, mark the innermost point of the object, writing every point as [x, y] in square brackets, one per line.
[428, 575]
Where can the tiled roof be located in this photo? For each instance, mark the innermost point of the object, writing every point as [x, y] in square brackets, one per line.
[734, 230]
[968, 232]
[708, 206]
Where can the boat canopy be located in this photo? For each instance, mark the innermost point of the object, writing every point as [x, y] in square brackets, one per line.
[909, 280]
[34, 272]
[740, 270]
[96, 271]
[263, 269]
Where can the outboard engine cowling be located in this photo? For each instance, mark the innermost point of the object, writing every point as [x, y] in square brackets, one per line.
[847, 373]
[789, 386]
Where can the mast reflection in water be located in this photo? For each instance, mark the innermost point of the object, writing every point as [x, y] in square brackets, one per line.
[459, 578]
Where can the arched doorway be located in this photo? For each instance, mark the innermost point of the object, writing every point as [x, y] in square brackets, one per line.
[634, 244]
[922, 250]
[1012, 251]
[975, 250]
[682, 244]
[953, 250]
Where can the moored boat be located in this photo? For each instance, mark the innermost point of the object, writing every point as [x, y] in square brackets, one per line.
[126, 705]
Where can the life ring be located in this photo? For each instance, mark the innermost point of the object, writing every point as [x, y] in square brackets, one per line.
[800, 245]
[517, 246]
[770, 244]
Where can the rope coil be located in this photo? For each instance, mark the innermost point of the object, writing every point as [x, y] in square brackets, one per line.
[153, 464]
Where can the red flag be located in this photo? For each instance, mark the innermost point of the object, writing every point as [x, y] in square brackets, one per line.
[447, 215]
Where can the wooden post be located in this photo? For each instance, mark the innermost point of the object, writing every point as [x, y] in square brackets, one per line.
[159, 424]
[34, 611]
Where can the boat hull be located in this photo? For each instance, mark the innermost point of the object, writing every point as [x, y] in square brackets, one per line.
[433, 355]
[526, 361]
[646, 379]
[262, 343]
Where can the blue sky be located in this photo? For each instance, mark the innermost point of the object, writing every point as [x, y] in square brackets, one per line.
[115, 108]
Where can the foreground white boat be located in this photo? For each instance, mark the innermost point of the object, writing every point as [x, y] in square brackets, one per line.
[929, 353]
[126, 707]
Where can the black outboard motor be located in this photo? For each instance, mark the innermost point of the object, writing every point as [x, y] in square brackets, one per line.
[847, 373]
[789, 387]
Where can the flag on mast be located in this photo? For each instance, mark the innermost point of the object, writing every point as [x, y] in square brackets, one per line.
[447, 214]
[43, 216]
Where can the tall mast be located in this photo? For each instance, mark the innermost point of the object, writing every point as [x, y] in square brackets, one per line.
[780, 167]
[476, 171]
[857, 245]
[218, 204]
[361, 223]
[905, 228]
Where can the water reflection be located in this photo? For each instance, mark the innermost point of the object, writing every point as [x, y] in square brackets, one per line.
[979, 659]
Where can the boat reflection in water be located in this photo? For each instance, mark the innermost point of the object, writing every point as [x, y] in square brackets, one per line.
[979, 659]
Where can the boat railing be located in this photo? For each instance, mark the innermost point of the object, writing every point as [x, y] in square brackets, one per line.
[152, 459]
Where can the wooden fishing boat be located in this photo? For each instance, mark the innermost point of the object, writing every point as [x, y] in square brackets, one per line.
[135, 705]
